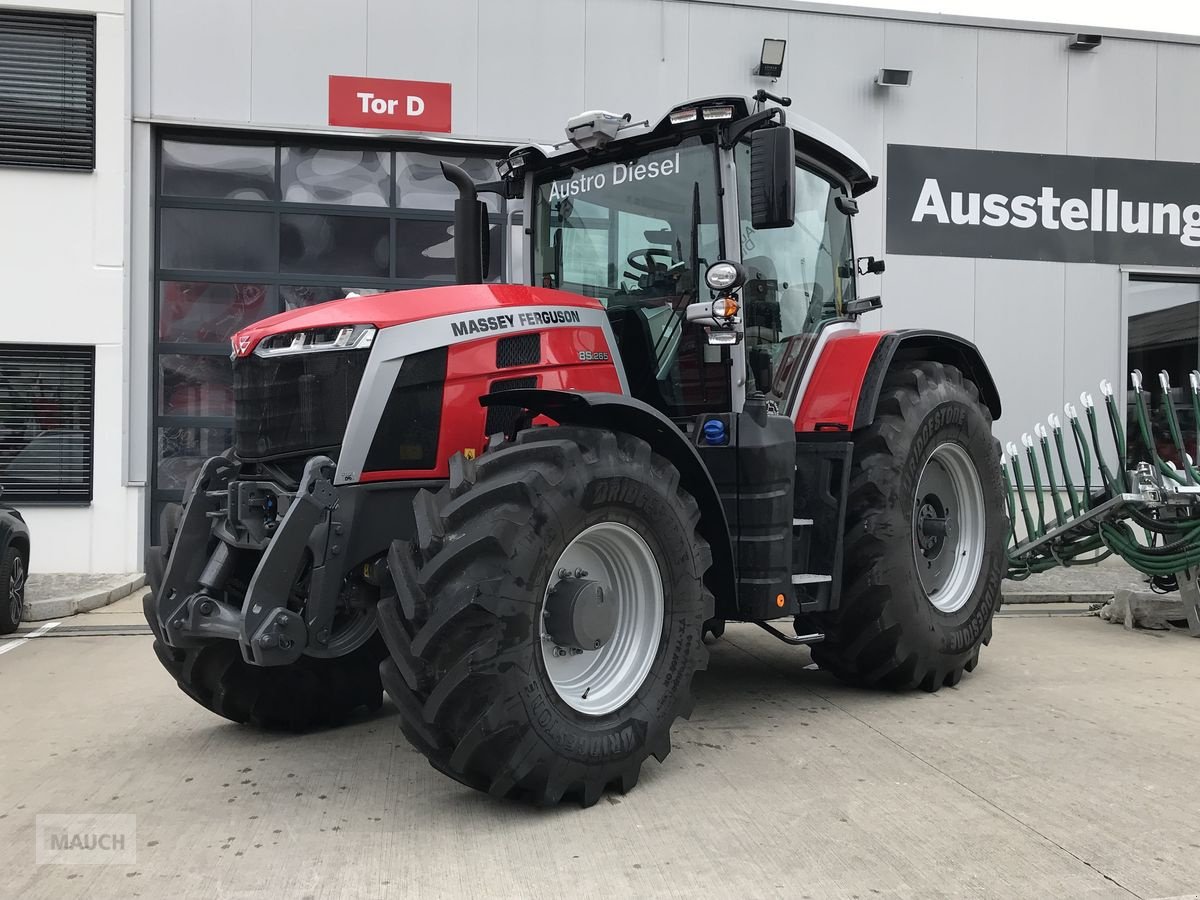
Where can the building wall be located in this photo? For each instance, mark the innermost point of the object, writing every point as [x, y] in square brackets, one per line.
[65, 251]
[519, 69]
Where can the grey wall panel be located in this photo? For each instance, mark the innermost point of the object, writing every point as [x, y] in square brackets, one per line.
[139, 312]
[830, 67]
[433, 42]
[1111, 106]
[201, 61]
[640, 69]
[1092, 346]
[928, 292]
[294, 53]
[1022, 91]
[938, 108]
[1019, 330]
[1178, 126]
[531, 65]
[726, 44]
[140, 34]
[1092, 341]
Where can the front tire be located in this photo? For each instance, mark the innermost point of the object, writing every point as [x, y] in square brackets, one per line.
[924, 539]
[475, 670]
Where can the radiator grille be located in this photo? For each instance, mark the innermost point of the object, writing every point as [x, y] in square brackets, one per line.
[519, 350]
[407, 434]
[294, 404]
[503, 419]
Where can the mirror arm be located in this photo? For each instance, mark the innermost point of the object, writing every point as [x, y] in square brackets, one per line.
[734, 131]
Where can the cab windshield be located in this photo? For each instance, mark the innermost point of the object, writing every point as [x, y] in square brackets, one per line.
[637, 234]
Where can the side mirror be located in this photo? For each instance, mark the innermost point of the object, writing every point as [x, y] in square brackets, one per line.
[772, 178]
[869, 265]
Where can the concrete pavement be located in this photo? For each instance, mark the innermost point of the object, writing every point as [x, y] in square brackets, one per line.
[1064, 767]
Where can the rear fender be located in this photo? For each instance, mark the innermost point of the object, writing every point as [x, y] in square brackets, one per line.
[843, 393]
[932, 346]
[614, 412]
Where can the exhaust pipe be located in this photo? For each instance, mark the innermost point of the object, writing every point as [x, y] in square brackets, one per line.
[468, 227]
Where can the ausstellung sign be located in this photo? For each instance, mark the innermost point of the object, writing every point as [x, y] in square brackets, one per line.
[992, 204]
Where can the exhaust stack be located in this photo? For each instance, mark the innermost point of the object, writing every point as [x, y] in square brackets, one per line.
[469, 219]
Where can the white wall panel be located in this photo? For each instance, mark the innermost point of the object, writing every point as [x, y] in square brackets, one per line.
[830, 66]
[1022, 91]
[296, 46]
[726, 44]
[1111, 107]
[1019, 331]
[108, 180]
[436, 42]
[1177, 134]
[531, 66]
[201, 60]
[927, 292]
[636, 56]
[938, 108]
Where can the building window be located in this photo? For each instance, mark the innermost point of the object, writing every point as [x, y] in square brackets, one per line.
[47, 90]
[250, 225]
[46, 422]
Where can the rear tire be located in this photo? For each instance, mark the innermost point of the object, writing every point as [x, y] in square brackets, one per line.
[13, 575]
[470, 667]
[909, 616]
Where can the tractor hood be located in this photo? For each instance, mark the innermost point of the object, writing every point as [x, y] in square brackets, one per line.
[403, 307]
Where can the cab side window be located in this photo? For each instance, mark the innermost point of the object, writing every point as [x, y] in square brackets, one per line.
[798, 277]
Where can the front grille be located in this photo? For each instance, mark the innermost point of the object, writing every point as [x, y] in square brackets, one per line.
[294, 404]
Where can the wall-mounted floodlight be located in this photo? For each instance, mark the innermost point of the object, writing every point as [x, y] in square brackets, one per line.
[894, 77]
[1084, 41]
[770, 62]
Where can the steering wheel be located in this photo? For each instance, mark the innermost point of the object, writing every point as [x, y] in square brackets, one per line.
[646, 261]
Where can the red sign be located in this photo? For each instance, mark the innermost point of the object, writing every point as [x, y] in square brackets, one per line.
[389, 103]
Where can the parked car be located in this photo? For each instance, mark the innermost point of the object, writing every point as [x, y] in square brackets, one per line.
[14, 566]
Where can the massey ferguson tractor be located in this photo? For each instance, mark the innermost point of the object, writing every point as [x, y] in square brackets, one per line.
[521, 509]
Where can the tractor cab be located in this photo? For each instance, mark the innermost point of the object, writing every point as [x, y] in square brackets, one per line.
[714, 202]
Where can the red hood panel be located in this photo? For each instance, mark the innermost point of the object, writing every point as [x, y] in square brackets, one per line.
[401, 307]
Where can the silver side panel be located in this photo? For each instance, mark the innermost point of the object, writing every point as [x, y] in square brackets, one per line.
[393, 344]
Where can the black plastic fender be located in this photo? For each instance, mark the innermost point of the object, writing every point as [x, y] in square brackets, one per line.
[616, 412]
[934, 346]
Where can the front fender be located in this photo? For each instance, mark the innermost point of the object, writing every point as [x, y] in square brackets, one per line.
[615, 412]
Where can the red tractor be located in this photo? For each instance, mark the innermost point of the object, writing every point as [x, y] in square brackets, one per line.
[521, 508]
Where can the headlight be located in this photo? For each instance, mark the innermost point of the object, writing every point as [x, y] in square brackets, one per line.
[724, 276]
[317, 340]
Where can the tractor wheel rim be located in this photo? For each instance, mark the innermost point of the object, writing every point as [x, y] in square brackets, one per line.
[16, 589]
[948, 527]
[595, 682]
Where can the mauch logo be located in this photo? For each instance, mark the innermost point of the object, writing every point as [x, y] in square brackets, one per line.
[85, 839]
[982, 203]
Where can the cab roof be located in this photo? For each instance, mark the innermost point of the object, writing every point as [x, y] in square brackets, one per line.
[812, 139]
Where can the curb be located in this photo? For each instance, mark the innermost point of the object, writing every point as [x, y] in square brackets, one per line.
[61, 607]
[1016, 597]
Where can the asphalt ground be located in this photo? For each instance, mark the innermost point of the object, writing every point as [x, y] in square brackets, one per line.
[1065, 766]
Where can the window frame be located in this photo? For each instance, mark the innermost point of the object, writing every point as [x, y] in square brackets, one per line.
[76, 497]
[275, 280]
[77, 154]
